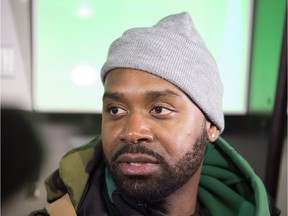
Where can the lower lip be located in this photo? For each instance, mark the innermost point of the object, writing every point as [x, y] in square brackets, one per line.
[138, 168]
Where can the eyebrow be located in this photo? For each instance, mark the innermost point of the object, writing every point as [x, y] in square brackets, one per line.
[112, 95]
[164, 93]
[150, 94]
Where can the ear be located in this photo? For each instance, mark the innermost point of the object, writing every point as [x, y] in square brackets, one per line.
[212, 132]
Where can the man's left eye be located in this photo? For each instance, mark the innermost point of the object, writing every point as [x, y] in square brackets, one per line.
[161, 110]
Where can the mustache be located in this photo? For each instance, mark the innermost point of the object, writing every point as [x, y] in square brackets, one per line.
[137, 149]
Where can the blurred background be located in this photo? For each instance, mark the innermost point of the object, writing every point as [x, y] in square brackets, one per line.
[51, 55]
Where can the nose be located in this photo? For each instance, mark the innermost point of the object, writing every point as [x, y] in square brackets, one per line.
[137, 130]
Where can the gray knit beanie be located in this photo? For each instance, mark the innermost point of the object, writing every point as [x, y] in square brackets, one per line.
[173, 50]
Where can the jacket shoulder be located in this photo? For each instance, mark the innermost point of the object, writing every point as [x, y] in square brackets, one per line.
[73, 172]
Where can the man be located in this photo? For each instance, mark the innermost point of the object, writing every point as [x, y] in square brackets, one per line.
[160, 152]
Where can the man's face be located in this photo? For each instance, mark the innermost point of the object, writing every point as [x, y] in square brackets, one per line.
[154, 137]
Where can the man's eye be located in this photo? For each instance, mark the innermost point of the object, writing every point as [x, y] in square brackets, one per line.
[160, 110]
[116, 111]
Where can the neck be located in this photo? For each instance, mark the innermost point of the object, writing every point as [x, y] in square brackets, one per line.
[184, 200]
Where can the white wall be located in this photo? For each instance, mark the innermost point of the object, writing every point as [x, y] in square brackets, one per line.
[16, 53]
[16, 84]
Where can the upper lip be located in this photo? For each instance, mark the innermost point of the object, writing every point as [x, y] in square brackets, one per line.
[136, 158]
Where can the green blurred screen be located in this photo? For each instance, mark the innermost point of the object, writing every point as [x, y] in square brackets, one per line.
[71, 39]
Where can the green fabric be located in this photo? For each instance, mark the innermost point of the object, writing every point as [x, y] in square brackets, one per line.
[228, 185]
[111, 187]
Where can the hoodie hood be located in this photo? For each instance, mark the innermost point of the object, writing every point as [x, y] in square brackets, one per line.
[228, 184]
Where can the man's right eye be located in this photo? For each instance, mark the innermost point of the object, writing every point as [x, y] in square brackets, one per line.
[116, 111]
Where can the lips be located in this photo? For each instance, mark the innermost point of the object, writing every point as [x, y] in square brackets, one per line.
[137, 164]
[136, 158]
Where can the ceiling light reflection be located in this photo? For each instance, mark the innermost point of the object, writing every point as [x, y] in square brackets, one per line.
[84, 12]
[84, 75]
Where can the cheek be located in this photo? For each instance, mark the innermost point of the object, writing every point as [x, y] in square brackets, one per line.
[184, 143]
[181, 136]
[109, 139]
[176, 143]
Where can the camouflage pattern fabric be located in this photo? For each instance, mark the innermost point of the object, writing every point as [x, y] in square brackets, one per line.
[78, 162]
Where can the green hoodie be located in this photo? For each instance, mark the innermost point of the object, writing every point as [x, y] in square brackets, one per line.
[228, 185]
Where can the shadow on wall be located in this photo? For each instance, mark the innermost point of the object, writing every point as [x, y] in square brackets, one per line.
[22, 151]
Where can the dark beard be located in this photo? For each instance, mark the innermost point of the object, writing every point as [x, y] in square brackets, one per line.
[154, 188]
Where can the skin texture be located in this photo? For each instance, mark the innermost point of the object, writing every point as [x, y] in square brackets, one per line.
[154, 139]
